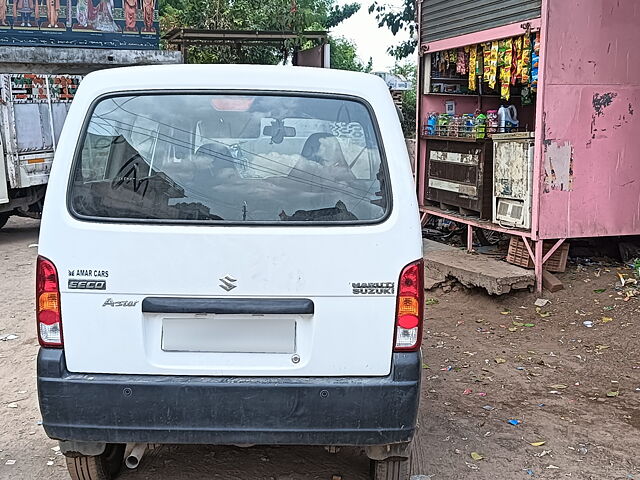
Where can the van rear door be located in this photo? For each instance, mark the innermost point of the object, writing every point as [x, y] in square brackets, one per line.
[253, 234]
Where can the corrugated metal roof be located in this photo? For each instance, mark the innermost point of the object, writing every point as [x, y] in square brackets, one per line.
[449, 18]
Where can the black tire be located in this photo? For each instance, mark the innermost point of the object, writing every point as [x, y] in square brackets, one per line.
[4, 216]
[101, 467]
[395, 468]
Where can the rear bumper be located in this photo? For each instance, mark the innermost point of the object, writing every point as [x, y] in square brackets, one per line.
[226, 410]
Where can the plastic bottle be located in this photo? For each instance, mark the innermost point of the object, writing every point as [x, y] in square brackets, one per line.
[469, 123]
[455, 126]
[507, 118]
[431, 123]
[512, 117]
[502, 120]
[442, 125]
[492, 121]
[480, 123]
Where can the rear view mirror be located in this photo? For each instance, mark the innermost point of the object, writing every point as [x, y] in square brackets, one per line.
[288, 131]
[277, 131]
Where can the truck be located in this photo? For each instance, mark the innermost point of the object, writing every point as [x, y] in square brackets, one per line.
[33, 108]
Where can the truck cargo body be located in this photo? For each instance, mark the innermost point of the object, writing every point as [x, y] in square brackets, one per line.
[32, 111]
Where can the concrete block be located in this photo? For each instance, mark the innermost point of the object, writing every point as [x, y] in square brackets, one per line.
[472, 270]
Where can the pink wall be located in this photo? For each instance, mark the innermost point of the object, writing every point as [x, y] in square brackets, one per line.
[590, 182]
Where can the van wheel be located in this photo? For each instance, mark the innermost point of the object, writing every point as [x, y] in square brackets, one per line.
[395, 468]
[4, 216]
[99, 467]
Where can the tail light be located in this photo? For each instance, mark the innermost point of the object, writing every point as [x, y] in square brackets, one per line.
[410, 307]
[48, 304]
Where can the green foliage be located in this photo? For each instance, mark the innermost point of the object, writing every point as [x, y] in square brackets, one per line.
[339, 14]
[409, 71]
[275, 15]
[404, 19]
[344, 56]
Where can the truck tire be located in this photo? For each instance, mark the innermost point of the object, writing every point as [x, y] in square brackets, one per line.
[3, 218]
[100, 467]
[395, 468]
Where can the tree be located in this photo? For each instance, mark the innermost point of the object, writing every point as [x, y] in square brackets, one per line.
[404, 19]
[344, 56]
[339, 14]
[409, 71]
[276, 15]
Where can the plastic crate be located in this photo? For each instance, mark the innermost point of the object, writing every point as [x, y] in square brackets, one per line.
[519, 255]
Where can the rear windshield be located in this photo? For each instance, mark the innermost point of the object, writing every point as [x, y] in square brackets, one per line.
[215, 158]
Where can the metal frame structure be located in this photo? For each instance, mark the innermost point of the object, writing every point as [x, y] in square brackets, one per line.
[184, 38]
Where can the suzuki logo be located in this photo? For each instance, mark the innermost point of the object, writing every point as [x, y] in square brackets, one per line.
[227, 283]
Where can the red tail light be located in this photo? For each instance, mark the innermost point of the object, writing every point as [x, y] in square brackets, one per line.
[48, 304]
[410, 308]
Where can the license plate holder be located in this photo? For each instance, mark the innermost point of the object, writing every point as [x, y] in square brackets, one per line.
[229, 334]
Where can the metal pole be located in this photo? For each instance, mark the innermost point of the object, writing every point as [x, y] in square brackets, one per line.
[185, 52]
[538, 159]
[538, 263]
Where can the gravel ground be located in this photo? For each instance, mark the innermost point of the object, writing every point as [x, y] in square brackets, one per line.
[487, 360]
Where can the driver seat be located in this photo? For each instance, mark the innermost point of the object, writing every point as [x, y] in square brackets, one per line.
[323, 150]
[215, 159]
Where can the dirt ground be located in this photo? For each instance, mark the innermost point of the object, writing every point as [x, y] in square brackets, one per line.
[548, 371]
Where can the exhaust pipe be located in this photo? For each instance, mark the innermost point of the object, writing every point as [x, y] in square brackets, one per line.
[132, 460]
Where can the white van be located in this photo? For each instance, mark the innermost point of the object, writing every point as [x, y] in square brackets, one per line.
[229, 255]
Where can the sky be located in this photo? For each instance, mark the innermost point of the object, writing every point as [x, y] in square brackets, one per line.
[371, 41]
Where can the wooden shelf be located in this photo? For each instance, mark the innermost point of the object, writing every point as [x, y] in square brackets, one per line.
[446, 79]
[484, 95]
[454, 139]
[454, 94]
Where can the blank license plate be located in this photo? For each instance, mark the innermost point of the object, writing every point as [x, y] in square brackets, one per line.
[229, 335]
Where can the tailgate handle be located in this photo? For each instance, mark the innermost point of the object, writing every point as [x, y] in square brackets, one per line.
[244, 306]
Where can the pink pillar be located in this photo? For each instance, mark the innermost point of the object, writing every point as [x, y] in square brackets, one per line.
[538, 263]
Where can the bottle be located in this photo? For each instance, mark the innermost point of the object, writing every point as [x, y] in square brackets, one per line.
[455, 126]
[507, 118]
[480, 125]
[442, 125]
[492, 121]
[431, 123]
[469, 123]
[502, 122]
[512, 117]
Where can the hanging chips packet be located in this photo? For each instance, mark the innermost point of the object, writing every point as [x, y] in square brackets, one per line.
[453, 56]
[502, 50]
[461, 62]
[486, 59]
[493, 64]
[526, 59]
[506, 54]
[518, 59]
[514, 61]
[535, 61]
[473, 64]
